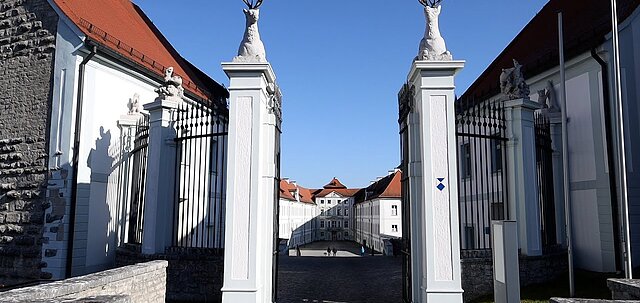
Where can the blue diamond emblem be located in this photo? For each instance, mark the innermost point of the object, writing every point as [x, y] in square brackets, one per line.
[440, 187]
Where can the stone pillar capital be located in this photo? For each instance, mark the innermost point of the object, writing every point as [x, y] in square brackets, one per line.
[523, 104]
[162, 103]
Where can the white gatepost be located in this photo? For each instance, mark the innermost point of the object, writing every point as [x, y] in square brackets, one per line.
[522, 173]
[253, 126]
[159, 192]
[555, 121]
[436, 248]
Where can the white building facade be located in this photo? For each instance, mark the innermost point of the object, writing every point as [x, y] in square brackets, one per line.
[378, 213]
[297, 214]
[335, 202]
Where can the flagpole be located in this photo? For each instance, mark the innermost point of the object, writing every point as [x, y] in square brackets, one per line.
[565, 156]
[622, 159]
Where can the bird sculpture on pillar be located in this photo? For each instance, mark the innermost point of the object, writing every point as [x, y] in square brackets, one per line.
[432, 46]
[251, 49]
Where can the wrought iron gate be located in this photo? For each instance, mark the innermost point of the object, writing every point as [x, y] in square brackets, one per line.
[138, 158]
[544, 165]
[482, 163]
[201, 146]
[405, 103]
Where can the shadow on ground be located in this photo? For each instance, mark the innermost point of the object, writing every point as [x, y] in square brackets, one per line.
[347, 278]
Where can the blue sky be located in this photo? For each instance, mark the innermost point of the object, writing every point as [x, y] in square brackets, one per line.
[340, 65]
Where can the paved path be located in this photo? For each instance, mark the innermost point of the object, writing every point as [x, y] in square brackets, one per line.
[346, 278]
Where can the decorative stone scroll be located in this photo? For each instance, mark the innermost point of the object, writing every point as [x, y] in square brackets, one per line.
[251, 48]
[433, 46]
[172, 87]
[406, 99]
[275, 101]
[512, 83]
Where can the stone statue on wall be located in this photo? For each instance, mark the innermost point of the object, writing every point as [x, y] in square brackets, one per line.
[134, 104]
[432, 46]
[172, 87]
[251, 49]
[552, 99]
[512, 83]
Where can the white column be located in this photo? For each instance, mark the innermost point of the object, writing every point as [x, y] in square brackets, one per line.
[127, 125]
[522, 174]
[161, 162]
[434, 183]
[253, 145]
[555, 119]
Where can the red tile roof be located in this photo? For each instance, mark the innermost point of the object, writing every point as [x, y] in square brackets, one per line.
[387, 187]
[288, 189]
[122, 27]
[335, 184]
[586, 22]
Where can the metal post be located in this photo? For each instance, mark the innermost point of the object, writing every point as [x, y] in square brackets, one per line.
[622, 162]
[565, 156]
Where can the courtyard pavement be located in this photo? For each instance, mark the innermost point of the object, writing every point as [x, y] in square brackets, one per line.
[345, 278]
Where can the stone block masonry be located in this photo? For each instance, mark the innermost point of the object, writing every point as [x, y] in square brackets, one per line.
[27, 43]
[193, 274]
[140, 283]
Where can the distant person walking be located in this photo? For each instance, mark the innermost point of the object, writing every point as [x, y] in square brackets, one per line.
[329, 251]
[334, 251]
[362, 250]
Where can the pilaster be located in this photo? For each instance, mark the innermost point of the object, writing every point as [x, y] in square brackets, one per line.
[522, 173]
[433, 180]
[159, 192]
[254, 129]
[555, 120]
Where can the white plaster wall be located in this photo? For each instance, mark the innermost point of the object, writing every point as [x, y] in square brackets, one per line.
[107, 92]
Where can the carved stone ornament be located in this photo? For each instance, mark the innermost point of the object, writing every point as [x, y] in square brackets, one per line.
[275, 101]
[406, 99]
[172, 87]
[134, 104]
[512, 83]
[551, 97]
[432, 46]
[251, 48]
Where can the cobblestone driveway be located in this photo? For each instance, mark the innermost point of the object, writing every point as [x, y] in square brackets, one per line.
[347, 278]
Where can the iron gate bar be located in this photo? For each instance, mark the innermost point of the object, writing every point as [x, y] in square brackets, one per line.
[138, 155]
[481, 147]
[199, 189]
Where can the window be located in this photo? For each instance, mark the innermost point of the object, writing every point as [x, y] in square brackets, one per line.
[496, 156]
[322, 224]
[394, 228]
[328, 201]
[465, 161]
[339, 212]
[346, 224]
[394, 210]
[338, 223]
[346, 211]
[346, 233]
[321, 201]
[322, 234]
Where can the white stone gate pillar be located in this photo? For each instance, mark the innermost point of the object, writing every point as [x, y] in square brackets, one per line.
[253, 129]
[435, 246]
[522, 173]
[159, 192]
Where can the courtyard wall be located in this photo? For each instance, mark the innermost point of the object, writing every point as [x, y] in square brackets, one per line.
[140, 283]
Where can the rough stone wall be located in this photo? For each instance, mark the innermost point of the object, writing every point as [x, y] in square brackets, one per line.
[27, 44]
[623, 289]
[140, 283]
[193, 275]
[477, 273]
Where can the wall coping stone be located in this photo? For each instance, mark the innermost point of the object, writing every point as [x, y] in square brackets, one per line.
[77, 284]
[573, 300]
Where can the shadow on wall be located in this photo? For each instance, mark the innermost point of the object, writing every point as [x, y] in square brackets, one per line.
[94, 220]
